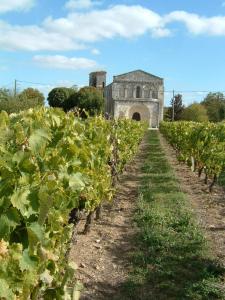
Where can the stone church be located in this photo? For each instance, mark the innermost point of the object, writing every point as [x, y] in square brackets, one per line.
[136, 95]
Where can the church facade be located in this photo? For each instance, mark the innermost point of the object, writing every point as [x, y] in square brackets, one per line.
[135, 95]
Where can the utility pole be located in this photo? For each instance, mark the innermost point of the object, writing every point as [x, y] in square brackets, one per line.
[15, 88]
[173, 106]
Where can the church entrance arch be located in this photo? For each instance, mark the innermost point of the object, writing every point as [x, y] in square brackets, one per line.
[140, 112]
[136, 116]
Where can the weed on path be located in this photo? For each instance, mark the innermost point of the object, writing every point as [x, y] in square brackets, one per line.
[173, 260]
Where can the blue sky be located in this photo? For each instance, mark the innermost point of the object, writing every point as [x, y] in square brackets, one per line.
[57, 43]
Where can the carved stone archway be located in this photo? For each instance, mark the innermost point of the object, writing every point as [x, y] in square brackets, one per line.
[143, 112]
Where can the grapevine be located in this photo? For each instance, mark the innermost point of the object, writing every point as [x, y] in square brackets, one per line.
[199, 144]
[50, 164]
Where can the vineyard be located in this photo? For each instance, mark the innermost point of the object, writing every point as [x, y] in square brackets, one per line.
[201, 145]
[52, 163]
[56, 167]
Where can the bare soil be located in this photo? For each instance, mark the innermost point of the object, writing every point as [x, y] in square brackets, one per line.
[103, 254]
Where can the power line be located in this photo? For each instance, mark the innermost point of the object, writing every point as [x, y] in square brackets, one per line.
[165, 91]
[38, 83]
[5, 85]
[15, 87]
[194, 91]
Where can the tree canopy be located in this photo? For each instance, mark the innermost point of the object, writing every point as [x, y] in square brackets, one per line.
[28, 98]
[58, 97]
[195, 112]
[178, 107]
[215, 106]
[90, 99]
[32, 94]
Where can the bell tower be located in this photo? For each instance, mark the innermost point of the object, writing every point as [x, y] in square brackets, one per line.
[97, 79]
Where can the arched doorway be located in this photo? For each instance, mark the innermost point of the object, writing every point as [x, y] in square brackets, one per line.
[140, 112]
[136, 116]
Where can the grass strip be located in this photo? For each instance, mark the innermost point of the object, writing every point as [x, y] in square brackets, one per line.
[173, 260]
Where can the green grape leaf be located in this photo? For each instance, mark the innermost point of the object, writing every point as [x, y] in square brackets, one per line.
[19, 200]
[35, 234]
[8, 222]
[76, 181]
[36, 230]
[18, 156]
[38, 139]
[13, 216]
[45, 202]
[4, 227]
[56, 120]
[27, 262]
[5, 291]
[16, 251]
[23, 159]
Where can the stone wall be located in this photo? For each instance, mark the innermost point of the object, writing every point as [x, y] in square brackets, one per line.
[97, 79]
[149, 111]
[139, 92]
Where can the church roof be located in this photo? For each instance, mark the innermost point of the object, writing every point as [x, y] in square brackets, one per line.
[125, 75]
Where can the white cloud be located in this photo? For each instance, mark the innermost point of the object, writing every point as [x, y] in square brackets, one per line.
[197, 25]
[161, 32]
[120, 20]
[78, 29]
[63, 62]
[80, 4]
[11, 5]
[95, 51]
[33, 38]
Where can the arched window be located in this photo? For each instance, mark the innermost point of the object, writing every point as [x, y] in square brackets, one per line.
[138, 92]
[154, 94]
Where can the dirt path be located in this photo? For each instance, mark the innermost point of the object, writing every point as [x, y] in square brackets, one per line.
[102, 255]
[209, 208]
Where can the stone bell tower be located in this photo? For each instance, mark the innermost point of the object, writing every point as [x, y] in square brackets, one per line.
[97, 79]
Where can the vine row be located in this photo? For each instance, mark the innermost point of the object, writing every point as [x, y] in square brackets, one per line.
[201, 145]
[51, 164]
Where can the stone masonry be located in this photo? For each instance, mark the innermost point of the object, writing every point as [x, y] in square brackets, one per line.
[135, 95]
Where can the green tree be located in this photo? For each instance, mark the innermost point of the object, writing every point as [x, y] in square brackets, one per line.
[167, 114]
[61, 97]
[176, 106]
[195, 112]
[14, 104]
[215, 106]
[89, 98]
[32, 94]
[5, 94]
